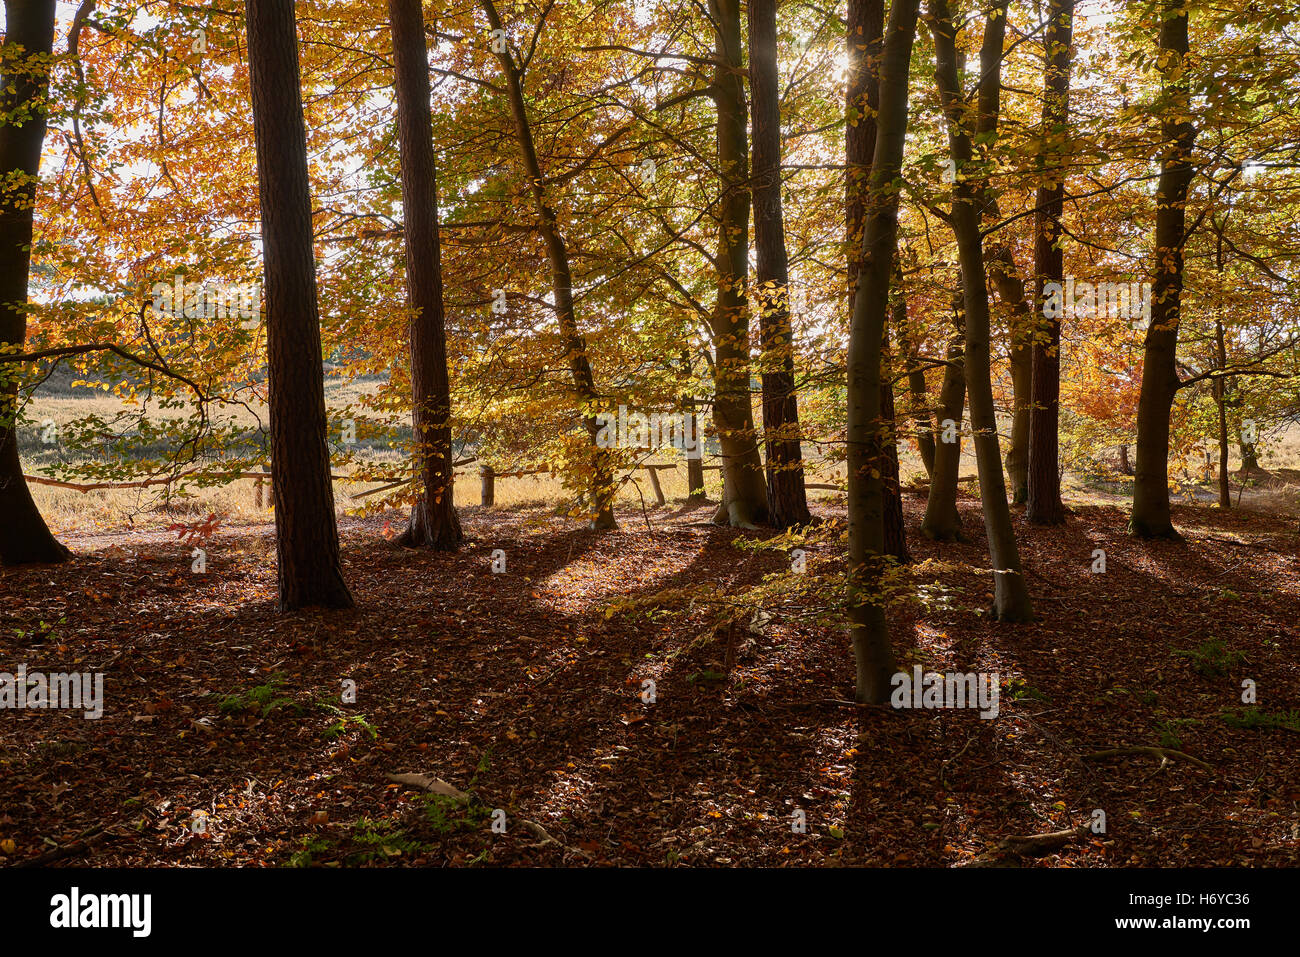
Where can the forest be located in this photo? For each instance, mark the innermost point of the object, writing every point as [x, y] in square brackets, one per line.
[585, 434]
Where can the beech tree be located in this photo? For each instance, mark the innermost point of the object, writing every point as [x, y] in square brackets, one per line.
[601, 485]
[1044, 505]
[868, 626]
[786, 498]
[433, 517]
[744, 490]
[1010, 596]
[24, 86]
[307, 543]
[1150, 517]
[865, 27]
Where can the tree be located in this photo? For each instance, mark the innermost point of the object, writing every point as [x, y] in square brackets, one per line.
[942, 521]
[601, 487]
[307, 543]
[1044, 505]
[1150, 517]
[744, 490]
[868, 626]
[787, 502]
[433, 517]
[24, 85]
[1010, 596]
[862, 48]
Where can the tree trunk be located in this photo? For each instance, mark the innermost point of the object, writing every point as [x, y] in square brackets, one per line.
[891, 486]
[307, 543]
[601, 487]
[1221, 401]
[942, 521]
[1011, 291]
[863, 48]
[29, 24]
[1125, 466]
[1249, 455]
[744, 500]
[918, 393]
[1151, 515]
[787, 500]
[434, 522]
[1044, 506]
[1010, 595]
[868, 627]
[1000, 262]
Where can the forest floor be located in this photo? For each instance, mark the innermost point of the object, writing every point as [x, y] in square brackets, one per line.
[518, 697]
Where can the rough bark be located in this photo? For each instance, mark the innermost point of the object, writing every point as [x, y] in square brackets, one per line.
[307, 544]
[1044, 505]
[1010, 594]
[601, 487]
[787, 500]
[1151, 514]
[29, 26]
[744, 495]
[434, 522]
[868, 627]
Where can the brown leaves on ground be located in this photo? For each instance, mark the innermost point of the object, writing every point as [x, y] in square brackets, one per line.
[227, 736]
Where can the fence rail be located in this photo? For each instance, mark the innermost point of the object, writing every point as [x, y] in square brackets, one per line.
[487, 480]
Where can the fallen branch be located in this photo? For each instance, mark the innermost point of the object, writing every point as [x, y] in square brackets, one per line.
[1163, 753]
[1008, 851]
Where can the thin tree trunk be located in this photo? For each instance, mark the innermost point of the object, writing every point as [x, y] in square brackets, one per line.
[1044, 505]
[602, 488]
[868, 626]
[787, 500]
[1221, 401]
[942, 521]
[744, 501]
[1160, 383]
[1000, 262]
[1011, 291]
[891, 486]
[863, 49]
[434, 522]
[1010, 595]
[307, 543]
[29, 25]
[918, 394]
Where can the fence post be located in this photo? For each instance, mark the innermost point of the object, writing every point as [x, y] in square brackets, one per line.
[488, 476]
[654, 484]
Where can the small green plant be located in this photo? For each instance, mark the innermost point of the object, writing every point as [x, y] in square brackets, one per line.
[263, 699]
[1022, 690]
[447, 814]
[1212, 659]
[1256, 718]
[312, 845]
[39, 635]
[346, 721]
[379, 840]
[1171, 731]
[706, 675]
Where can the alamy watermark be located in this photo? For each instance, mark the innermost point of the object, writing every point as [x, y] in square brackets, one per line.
[207, 300]
[657, 430]
[57, 690]
[1102, 300]
[951, 690]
